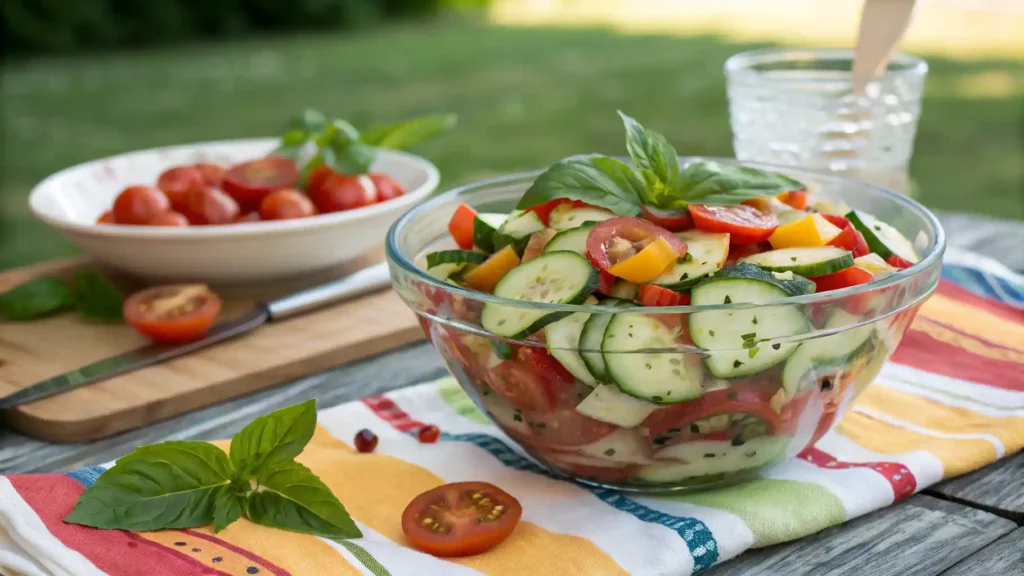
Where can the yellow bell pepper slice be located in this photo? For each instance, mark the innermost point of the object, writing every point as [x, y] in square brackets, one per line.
[647, 264]
[812, 230]
[485, 276]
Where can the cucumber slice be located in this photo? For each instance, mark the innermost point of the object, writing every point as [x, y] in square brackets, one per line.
[707, 457]
[504, 414]
[882, 238]
[563, 340]
[573, 240]
[501, 349]
[485, 226]
[591, 337]
[516, 231]
[446, 271]
[809, 262]
[455, 257]
[565, 216]
[735, 333]
[706, 252]
[557, 278]
[660, 377]
[624, 290]
[818, 355]
[873, 263]
[608, 404]
[619, 447]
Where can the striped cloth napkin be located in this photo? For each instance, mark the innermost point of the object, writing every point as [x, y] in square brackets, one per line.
[950, 401]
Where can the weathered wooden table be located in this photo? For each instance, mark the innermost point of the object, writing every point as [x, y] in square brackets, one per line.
[966, 526]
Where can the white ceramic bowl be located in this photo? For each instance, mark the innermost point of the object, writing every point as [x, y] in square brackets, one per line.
[71, 200]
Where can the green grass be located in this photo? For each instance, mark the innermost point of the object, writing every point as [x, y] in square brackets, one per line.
[525, 97]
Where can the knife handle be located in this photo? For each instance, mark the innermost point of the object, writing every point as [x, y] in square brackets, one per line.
[369, 279]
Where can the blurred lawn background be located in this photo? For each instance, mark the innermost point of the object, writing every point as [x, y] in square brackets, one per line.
[531, 81]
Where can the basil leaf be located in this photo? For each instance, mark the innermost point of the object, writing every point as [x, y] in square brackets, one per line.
[291, 497]
[352, 158]
[594, 179]
[35, 298]
[97, 298]
[310, 121]
[710, 183]
[650, 151]
[272, 439]
[167, 485]
[402, 135]
[227, 507]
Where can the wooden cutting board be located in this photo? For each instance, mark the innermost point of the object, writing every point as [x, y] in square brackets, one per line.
[272, 354]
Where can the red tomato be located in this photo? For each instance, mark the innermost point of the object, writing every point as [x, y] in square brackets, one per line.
[460, 519]
[651, 295]
[544, 210]
[588, 467]
[106, 218]
[634, 230]
[428, 434]
[668, 219]
[565, 428]
[672, 423]
[461, 226]
[169, 219]
[179, 313]
[745, 224]
[797, 199]
[177, 182]
[211, 206]
[540, 359]
[851, 276]
[605, 282]
[897, 262]
[286, 204]
[532, 380]
[387, 187]
[213, 175]
[139, 204]
[249, 182]
[850, 238]
[340, 192]
[738, 252]
[247, 217]
[317, 178]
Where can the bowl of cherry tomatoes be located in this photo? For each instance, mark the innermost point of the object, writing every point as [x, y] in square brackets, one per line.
[228, 212]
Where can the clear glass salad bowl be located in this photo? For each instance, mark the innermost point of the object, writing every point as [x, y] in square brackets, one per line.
[595, 433]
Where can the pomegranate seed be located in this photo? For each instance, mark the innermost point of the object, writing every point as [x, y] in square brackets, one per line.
[366, 441]
[428, 434]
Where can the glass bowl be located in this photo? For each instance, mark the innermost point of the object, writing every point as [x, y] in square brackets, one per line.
[735, 427]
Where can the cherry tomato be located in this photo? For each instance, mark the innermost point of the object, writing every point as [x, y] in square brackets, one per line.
[565, 428]
[317, 178]
[246, 217]
[461, 226]
[668, 219]
[678, 422]
[177, 182]
[428, 434]
[651, 295]
[605, 282]
[169, 219]
[178, 313]
[340, 192]
[543, 211]
[522, 385]
[797, 199]
[365, 441]
[619, 238]
[106, 218]
[286, 204]
[210, 206]
[249, 182]
[739, 251]
[850, 238]
[851, 276]
[538, 357]
[745, 224]
[139, 204]
[460, 519]
[213, 174]
[897, 262]
[387, 187]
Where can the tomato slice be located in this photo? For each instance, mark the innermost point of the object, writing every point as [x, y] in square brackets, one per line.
[851, 276]
[738, 252]
[565, 428]
[651, 295]
[745, 224]
[850, 238]
[460, 519]
[796, 199]
[679, 422]
[533, 380]
[461, 226]
[605, 282]
[176, 313]
[544, 210]
[674, 221]
[619, 238]
[897, 262]
[249, 182]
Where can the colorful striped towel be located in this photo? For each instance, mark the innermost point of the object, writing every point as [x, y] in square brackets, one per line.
[951, 400]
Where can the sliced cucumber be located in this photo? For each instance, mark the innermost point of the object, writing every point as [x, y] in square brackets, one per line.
[591, 337]
[485, 226]
[446, 271]
[501, 349]
[873, 263]
[563, 340]
[809, 262]
[566, 216]
[622, 447]
[707, 457]
[608, 404]
[557, 278]
[624, 290]
[706, 252]
[516, 231]
[573, 240]
[662, 377]
[455, 257]
[733, 337]
[882, 238]
[504, 414]
[821, 354]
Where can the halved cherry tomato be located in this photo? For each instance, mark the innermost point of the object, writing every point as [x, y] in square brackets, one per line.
[532, 380]
[674, 221]
[460, 519]
[139, 204]
[178, 313]
[106, 218]
[341, 192]
[387, 187]
[540, 359]
[210, 206]
[535, 245]
[651, 295]
[544, 210]
[461, 226]
[619, 238]
[850, 238]
[169, 219]
[249, 182]
[797, 199]
[213, 174]
[677, 422]
[745, 224]
[851, 276]
[286, 204]
[177, 182]
[897, 262]
[605, 282]
[565, 428]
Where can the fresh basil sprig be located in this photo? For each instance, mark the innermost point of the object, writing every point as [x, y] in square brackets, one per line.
[407, 134]
[189, 484]
[97, 298]
[594, 179]
[36, 298]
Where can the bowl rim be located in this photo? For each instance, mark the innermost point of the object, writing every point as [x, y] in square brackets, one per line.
[332, 219]
[934, 257]
[743, 64]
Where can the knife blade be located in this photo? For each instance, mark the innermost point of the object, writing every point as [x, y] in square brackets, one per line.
[369, 279]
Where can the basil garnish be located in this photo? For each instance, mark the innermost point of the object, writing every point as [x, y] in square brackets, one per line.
[97, 298]
[407, 134]
[594, 179]
[36, 298]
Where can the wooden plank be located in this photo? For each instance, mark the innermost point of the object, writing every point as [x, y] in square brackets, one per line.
[921, 536]
[1004, 557]
[998, 488]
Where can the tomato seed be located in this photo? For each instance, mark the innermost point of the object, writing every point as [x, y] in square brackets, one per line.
[428, 434]
[366, 441]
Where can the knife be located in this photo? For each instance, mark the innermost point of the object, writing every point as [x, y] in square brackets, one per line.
[369, 279]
